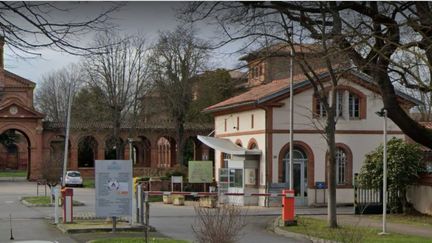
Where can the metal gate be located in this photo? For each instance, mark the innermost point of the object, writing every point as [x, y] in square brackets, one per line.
[367, 201]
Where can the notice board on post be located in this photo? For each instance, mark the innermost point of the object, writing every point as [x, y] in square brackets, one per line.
[113, 184]
[200, 171]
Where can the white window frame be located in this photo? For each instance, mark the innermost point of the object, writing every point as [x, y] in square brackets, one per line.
[339, 103]
[341, 165]
[354, 100]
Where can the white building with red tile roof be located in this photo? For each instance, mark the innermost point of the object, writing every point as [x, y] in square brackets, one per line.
[258, 122]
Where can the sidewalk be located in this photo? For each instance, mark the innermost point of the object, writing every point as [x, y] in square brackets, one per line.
[359, 220]
[12, 179]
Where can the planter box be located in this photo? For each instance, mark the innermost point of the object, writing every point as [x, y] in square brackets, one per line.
[178, 200]
[207, 202]
[167, 199]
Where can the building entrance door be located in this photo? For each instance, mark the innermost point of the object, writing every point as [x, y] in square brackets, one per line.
[299, 175]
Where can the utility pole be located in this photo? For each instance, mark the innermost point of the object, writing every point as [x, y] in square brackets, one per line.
[66, 148]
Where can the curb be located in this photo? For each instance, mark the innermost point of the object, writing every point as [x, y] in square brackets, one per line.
[296, 236]
[23, 201]
[134, 228]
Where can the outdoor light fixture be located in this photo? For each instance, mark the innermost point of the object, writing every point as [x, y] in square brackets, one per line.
[383, 113]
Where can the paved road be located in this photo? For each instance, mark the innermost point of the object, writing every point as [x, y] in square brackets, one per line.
[31, 223]
[27, 223]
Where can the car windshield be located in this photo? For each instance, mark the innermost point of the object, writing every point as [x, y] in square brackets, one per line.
[74, 174]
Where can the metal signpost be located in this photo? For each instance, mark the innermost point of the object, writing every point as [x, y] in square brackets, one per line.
[383, 113]
[114, 191]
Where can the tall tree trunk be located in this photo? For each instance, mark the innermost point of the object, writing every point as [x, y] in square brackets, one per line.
[116, 134]
[331, 163]
[180, 142]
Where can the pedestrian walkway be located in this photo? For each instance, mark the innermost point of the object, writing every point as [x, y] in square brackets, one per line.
[361, 220]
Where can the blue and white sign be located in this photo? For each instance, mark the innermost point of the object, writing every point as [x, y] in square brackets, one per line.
[320, 185]
[113, 184]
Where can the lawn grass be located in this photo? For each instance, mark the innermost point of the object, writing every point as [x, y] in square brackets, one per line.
[13, 173]
[44, 201]
[138, 240]
[41, 200]
[88, 183]
[318, 228]
[413, 219]
[156, 198]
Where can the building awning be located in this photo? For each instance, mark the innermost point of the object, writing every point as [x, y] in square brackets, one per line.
[226, 146]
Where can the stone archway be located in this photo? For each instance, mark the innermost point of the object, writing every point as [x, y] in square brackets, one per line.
[87, 151]
[16, 149]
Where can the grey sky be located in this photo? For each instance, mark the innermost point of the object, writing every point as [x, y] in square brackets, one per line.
[147, 18]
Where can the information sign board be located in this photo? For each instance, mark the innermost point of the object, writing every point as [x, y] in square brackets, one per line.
[113, 184]
[200, 171]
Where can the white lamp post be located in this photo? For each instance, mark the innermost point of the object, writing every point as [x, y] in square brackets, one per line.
[383, 113]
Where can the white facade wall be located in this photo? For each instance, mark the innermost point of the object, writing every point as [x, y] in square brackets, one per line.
[257, 133]
[361, 136]
[420, 196]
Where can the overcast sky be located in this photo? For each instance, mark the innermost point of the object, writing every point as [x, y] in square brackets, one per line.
[144, 17]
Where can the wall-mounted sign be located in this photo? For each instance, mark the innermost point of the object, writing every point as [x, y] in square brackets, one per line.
[320, 185]
[113, 184]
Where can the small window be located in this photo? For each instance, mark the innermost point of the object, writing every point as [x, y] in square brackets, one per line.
[225, 125]
[238, 124]
[236, 178]
[252, 121]
[429, 167]
[320, 110]
[354, 106]
[341, 163]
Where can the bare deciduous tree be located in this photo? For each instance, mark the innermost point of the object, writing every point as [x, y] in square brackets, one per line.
[273, 31]
[29, 26]
[120, 72]
[175, 60]
[379, 38]
[219, 225]
[52, 95]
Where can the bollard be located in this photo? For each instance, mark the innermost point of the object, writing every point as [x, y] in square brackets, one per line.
[56, 204]
[67, 195]
[288, 209]
[147, 217]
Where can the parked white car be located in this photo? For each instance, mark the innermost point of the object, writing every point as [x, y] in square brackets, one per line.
[73, 178]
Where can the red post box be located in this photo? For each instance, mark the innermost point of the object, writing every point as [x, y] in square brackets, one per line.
[67, 196]
[288, 209]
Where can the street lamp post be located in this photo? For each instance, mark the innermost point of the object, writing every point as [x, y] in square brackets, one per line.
[383, 113]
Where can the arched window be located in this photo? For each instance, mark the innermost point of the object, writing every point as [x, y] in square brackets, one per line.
[341, 167]
[344, 166]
